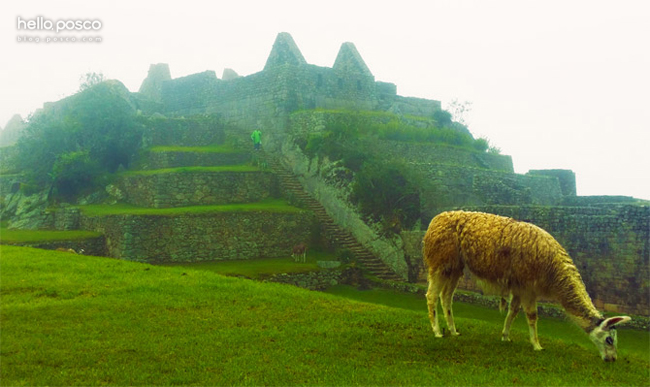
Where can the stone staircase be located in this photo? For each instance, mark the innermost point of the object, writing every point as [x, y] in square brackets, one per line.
[344, 239]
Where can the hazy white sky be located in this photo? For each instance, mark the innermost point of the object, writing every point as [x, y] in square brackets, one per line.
[555, 83]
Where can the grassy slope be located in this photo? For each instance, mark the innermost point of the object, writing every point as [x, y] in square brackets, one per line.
[70, 320]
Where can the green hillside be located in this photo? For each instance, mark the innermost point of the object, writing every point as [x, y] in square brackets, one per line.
[80, 320]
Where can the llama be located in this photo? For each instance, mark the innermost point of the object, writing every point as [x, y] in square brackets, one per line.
[512, 259]
[299, 252]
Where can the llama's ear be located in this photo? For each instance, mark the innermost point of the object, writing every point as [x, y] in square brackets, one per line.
[612, 321]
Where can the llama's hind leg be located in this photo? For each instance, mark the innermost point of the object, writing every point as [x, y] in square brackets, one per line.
[446, 297]
[435, 286]
[515, 305]
[530, 307]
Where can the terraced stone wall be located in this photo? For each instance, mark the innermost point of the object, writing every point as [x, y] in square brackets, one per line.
[164, 190]
[201, 237]
[161, 159]
[442, 154]
[195, 131]
[450, 186]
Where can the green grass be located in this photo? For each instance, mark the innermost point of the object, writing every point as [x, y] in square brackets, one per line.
[27, 236]
[200, 149]
[81, 320]
[269, 205]
[218, 169]
[632, 342]
[259, 268]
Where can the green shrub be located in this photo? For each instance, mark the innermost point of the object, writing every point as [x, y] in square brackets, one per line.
[442, 117]
[74, 171]
[386, 193]
[481, 144]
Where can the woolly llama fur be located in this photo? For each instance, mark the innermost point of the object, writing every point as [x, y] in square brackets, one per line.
[512, 259]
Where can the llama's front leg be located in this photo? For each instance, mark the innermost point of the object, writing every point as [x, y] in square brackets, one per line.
[515, 304]
[435, 286]
[447, 299]
[531, 314]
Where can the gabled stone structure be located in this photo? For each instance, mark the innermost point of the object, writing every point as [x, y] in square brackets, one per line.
[284, 52]
[152, 85]
[229, 74]
[350, 61]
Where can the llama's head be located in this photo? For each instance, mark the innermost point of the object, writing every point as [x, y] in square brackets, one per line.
[604, 336]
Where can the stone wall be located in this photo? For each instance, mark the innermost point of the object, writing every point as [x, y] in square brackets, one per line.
[163, 190]
[315, 280]
[566, 177]
[608, 244]
[323, 279]
[304, 123]
[442, 154]
[190, 94]
[161, 159]
[201, 237]
[449, 186]
[195, 131]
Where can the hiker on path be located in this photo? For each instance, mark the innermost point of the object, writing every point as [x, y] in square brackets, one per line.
[257, 139]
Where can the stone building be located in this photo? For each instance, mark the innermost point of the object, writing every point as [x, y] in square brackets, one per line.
[286, 84]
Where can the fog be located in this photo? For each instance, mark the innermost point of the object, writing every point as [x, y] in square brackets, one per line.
[555, 84]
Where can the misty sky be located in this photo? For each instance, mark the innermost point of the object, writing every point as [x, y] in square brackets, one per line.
[555, 84]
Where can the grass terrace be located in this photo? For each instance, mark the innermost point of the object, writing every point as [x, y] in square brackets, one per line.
[268, 205]
[223, 168]
[200, 149]
[258, 268]
[11, 236]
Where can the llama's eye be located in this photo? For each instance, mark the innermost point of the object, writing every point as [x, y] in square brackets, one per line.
[609, 340]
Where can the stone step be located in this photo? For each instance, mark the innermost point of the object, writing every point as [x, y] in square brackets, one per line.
[290, 184]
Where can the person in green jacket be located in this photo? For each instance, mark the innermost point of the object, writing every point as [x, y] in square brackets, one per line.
[257, 139]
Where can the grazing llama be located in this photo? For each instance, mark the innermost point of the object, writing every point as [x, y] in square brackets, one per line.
[299, 252]
[512, 259]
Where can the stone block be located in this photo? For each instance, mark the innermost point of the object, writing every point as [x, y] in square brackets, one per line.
[328, 264]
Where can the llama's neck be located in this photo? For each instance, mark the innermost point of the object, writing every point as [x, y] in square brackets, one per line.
[573, 296]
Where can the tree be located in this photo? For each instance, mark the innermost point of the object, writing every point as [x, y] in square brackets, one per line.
[89, 80]
[85, 136]
[460, 110]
